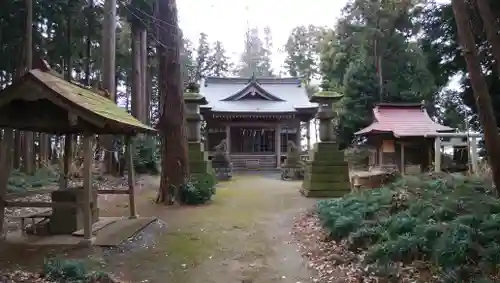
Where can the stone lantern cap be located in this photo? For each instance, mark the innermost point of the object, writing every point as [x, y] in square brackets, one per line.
[192, 95]
[195, 98]
[326, 97]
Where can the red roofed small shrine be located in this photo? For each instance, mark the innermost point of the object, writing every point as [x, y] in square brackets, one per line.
[403, 136]
[403, 120]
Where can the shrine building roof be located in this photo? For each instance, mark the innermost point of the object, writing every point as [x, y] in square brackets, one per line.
[402, 120]
[260, 95]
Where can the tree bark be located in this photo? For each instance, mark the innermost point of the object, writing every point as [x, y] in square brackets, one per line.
[172, 117]
[28, 152]
[480, 88]
[88, 62]
[149, 89]
[143, 39]
[491, 29]
[137, 105]
[108, 73]
[18, 138]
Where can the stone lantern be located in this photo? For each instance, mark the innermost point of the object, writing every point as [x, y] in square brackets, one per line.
[326, 113]
[198, 158]
[327, 173]
[192, 100]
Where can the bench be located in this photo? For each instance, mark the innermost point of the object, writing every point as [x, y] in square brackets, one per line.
[43, 214]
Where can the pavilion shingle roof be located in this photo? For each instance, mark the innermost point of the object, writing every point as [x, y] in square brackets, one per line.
[403, 120]
[88, 102]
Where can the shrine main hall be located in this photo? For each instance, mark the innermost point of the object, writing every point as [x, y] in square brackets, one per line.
[257, 117]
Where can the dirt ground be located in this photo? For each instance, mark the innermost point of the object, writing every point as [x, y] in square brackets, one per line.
[242, 236]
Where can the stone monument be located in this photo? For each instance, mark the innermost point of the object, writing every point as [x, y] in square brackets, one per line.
[293, 168]
[221, 162]
[68, 219]
[198, 157]
[326, 173]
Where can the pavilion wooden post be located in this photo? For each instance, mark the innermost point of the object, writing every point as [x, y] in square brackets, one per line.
[5, 160]
[87, 189]
[131, 177]
[437, 154]
[278, 145]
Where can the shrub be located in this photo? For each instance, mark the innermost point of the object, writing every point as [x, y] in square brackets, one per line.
[450, 220]
[19, 181]
[61, 270]
[199, 189]
[146, 156]
[71, 271]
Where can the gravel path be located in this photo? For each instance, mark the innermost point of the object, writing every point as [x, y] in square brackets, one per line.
[243, 236]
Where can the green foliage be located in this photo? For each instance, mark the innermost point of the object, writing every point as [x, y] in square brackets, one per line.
[302, 48]
[146, 156]
[369, 33]
[256, 57]
[62, 270]
[441, 47]
[207, 59]
[19, 181]
[453, 222]
[199, 189]
[70, 271]
[358, 156]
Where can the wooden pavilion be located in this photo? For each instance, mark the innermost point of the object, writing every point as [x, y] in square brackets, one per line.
[256, 117]
[403, 136]
[42, 101]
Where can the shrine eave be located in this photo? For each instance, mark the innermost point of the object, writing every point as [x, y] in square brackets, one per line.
[252, 115]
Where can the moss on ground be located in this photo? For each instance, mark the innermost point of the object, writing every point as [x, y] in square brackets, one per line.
[224, 241]
[188, 247]
[212, 232]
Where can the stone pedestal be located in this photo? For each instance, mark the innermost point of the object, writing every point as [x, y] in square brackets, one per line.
[221, 162]
[198, 157]
[293, 167]
[66, 220]
[327, 173]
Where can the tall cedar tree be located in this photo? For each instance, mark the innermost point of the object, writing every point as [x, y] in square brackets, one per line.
[481, 92]
[490, 26]
[174, 162]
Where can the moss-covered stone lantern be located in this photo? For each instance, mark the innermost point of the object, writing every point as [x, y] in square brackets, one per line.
[198, 158]
[193, 99]
[327, 173]
[326, 114]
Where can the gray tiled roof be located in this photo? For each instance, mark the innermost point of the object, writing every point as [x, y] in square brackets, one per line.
[289, 90]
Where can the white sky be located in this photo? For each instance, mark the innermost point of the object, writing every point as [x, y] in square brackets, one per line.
[228, 20]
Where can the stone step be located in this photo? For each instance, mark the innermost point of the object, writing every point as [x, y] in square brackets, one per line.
[253, 161]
